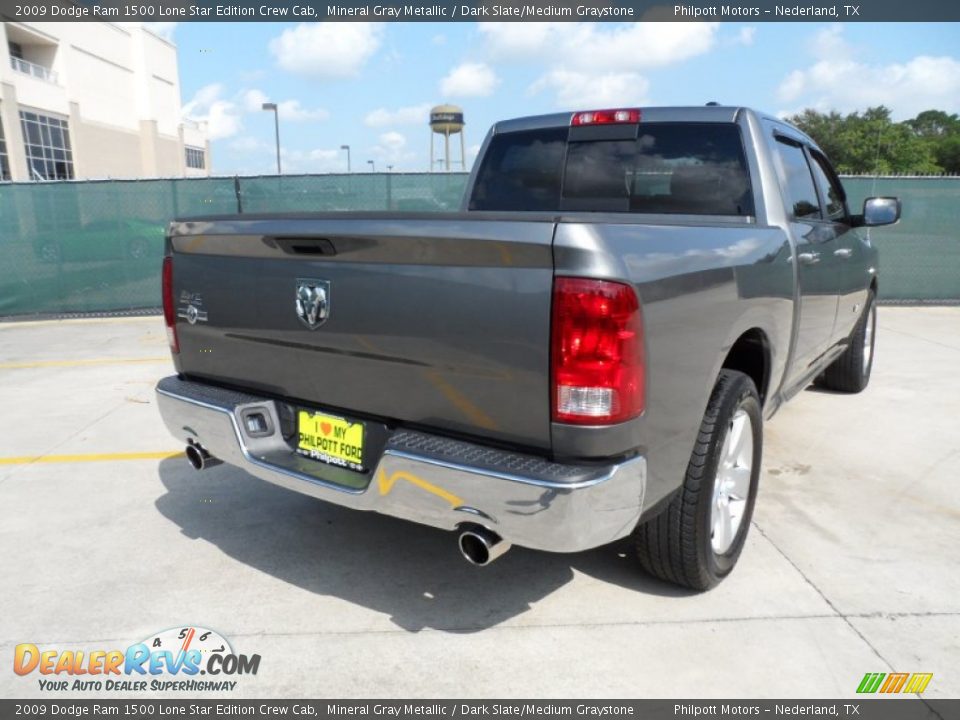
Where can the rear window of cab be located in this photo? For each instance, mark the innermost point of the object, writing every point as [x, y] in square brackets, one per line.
[690, 168]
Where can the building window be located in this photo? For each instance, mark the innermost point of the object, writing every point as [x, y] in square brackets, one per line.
[16, 50]
[195, 158]
[4, 159]
[47, 141]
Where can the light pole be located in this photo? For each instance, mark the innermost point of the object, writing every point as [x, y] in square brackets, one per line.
[347, 148]
[389, 168]
[276, 124]
[373, 168]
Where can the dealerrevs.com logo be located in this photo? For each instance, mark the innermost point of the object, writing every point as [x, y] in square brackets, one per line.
[171, 660]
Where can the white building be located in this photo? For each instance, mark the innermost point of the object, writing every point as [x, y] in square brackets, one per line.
[89, 100]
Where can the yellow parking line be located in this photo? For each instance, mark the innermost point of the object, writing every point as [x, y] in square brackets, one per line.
[88, 361]
[90, 457]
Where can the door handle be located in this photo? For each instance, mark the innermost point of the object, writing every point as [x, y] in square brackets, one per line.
[811, 258]
[843, 252]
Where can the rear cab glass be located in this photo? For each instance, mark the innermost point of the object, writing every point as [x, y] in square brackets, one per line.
[690, 168]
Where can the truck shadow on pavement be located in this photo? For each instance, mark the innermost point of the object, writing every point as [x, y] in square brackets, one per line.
[411, 572]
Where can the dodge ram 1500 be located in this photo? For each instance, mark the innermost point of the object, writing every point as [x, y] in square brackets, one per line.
[586, 351]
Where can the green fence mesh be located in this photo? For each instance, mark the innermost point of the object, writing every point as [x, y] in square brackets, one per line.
[919, 256]
[81, 247]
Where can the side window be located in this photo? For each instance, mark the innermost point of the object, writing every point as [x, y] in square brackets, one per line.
[830, 191]
[521, 171]
[801, 193]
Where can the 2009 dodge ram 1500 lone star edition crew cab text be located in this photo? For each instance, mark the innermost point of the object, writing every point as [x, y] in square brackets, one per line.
[586, 352]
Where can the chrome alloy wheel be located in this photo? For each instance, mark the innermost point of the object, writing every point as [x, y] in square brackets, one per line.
[731, 486]
[868, 339]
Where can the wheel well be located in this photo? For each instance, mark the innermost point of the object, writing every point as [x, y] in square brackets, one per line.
[750, 355]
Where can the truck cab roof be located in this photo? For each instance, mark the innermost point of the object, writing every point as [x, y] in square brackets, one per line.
[679, 113]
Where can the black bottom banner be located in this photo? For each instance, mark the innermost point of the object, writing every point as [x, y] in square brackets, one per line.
[865, 709]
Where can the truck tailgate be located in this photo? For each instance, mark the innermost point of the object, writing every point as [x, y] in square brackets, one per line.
[440, 321]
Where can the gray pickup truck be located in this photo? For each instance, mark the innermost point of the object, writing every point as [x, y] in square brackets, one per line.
[587, 351]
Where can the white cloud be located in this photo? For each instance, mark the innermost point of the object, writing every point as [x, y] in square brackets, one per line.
[829, 44]
[221, 116]
[512, 41]
[598, 46]
[597, 63]
[440, 39]
[319, 160]
[393, 141]
[253, 100]
[163, 29]
[292, 111]
[839, 81]
[326, 49]
[410, 115]
[583, 90]
[249, 144]
[469, 80]
[746, 36]
[392, 149]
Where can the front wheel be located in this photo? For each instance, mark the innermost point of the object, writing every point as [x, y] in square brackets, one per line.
[850, 372]
[697, 540]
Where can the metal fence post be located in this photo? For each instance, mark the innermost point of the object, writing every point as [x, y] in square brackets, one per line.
[236, 190]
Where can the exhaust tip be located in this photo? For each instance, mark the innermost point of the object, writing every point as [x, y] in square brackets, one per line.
[480, 546]
[194, 457]
[199, 458]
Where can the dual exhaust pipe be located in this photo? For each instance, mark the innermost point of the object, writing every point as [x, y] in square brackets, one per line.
[478, 545]
[199, 458]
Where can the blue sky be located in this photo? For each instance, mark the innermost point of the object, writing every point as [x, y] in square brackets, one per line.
[369, 86]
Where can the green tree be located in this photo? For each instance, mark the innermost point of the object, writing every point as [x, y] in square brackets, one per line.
[942, 133]
[947, 153]
[870, 142]
[935, 124]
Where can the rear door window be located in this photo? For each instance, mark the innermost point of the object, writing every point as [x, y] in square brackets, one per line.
[830, 191]
[801, 193]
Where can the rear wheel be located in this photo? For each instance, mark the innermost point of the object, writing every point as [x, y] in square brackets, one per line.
[851, 371]
[697, 540]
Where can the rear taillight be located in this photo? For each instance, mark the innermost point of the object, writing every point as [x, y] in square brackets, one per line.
[169, 312]
[596, 352]
[606, 117]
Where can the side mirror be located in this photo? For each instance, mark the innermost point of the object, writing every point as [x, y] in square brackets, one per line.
[880, 211]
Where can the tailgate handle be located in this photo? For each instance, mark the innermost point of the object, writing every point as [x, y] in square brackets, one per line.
[305, 246]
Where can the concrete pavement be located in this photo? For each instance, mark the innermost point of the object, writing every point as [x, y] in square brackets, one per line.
[850, 566]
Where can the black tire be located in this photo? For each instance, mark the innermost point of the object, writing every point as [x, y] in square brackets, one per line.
[676, 545]
[849, 373]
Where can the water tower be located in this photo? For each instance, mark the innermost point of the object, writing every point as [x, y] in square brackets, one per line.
[447, 120]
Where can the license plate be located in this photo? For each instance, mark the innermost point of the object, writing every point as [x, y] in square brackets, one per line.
[330, 439]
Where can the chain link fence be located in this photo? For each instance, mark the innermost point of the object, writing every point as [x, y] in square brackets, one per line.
[94, 247]
[919, 256]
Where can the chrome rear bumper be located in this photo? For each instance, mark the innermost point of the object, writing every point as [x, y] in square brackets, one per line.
[425, 478]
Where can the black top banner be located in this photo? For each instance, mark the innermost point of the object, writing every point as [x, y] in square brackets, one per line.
[471, 10]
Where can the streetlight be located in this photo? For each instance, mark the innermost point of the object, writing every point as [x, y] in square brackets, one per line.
[389, 168]
[373, 168]
[347, 148]
[276, 122]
